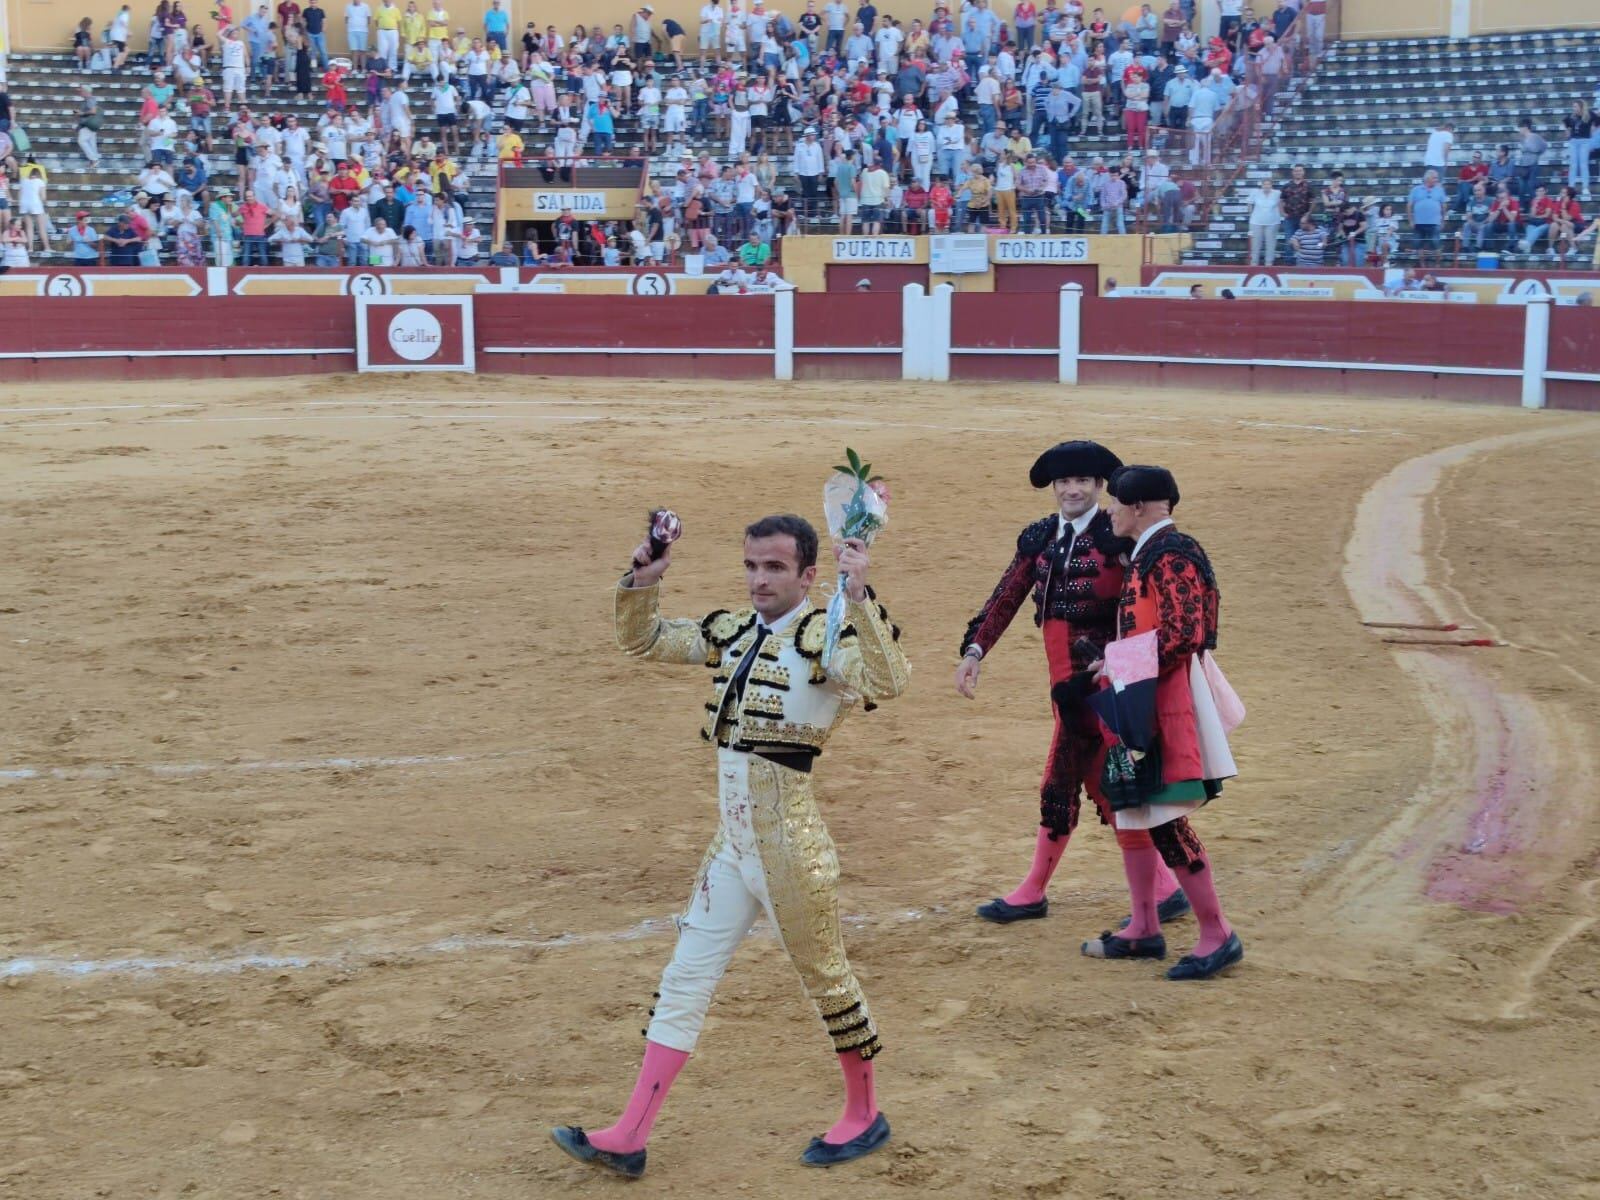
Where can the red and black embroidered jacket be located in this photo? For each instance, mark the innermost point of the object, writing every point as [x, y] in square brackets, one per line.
[1172, 589]
[1082, 590]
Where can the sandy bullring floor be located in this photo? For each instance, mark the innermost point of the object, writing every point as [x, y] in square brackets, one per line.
[337, 841]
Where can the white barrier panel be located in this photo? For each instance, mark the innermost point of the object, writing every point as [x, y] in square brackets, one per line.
[1535, 350]
[414, 333]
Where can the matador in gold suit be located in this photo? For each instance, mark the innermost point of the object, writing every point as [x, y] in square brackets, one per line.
[773, 704]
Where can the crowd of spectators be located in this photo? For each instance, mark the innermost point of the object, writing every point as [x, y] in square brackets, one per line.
[965, 121]
[1508, 202]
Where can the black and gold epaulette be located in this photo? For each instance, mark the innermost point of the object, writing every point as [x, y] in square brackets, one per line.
[1035, 537]
[721, 629]
[809, 637]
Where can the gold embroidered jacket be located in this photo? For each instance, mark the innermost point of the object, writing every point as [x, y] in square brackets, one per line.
[789, 702]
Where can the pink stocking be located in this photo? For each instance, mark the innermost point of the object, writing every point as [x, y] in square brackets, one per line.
[860, 1100]
[1166, 881]
[632, 1130]
[1046, 856]
[1141, 863]
[1201, 889]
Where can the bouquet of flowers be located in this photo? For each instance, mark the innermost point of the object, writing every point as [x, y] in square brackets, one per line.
[856, 504]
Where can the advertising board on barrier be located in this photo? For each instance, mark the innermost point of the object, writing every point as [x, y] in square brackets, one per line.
[414, 333]
[874, 249]
[1462, 286]
[1041, 249]
[958, 254]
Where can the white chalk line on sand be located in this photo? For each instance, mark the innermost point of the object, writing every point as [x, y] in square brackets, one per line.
[355, 958]
[605, 417]
[24, 774]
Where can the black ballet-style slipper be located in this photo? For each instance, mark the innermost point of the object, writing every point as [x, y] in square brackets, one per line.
[575, 1142]
[1169, 910]
[1198, 966]
[1109, 945]
[1001, 913]
[829, 1154]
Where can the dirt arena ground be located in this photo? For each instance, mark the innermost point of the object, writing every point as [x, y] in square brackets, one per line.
[338, 844]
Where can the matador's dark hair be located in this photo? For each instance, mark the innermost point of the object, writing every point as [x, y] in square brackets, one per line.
[805, 537]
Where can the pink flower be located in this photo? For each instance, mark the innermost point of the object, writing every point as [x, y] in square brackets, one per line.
[880, 488]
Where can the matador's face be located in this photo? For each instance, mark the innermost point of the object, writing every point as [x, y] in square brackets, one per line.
[772, 573]
[1076, 494]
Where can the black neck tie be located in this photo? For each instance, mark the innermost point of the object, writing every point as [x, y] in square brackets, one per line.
[742, 671]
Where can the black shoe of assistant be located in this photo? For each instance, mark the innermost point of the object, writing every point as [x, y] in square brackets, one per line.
[826, 1154]
[1169, 910]
[1195, 966]
[1001, 913]
[575, 1142]
[1109, 945]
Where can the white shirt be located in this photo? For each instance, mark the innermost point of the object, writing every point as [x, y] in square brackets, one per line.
[357, 17]
[381, 245]
[1145, 536]
[293, 242]
[782, 622]
[1264, 207]
[808, 158]
[1440, 142]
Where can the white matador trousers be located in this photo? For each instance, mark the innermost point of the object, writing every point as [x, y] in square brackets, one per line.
[771, 854]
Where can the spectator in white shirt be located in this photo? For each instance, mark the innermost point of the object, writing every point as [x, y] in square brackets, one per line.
[1266, 217]
[355, 222]
[711, 20]
[357, 28]
[1441, 142]
[291, 238]
[468, 242]
[380, 241]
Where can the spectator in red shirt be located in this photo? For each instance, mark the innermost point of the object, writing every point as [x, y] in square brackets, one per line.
[253, 216]
[1541, 213]
[916, 205]
[342, 186]
[1564, 222]
[1471, 172]
[1506, 214]
[941, 202]
[1219, 56]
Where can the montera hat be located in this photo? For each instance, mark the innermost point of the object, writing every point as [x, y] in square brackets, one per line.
[1134, 484]
[1066, 459]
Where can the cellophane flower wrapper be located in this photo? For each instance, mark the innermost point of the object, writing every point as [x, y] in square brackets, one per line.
[853, 509]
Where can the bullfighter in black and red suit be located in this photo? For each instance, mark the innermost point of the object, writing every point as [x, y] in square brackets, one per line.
[1072, 565]
[1169, 755]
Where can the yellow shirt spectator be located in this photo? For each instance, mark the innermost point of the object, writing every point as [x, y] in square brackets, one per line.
[412, 27]
[441, 173]
[419, 58]
[387, 16]
[438, 25]
[510, 145]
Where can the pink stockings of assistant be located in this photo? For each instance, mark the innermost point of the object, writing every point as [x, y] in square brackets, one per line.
[1048, 849]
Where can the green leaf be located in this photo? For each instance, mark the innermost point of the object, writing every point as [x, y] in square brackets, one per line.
[855, 459]
[843, 470]
[865, 467]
